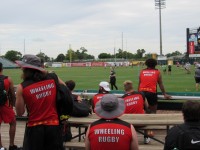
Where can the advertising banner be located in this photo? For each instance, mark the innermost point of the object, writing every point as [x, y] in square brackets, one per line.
[76, 64]
[191, 47]
[97, 64]
[193, 41]
[198, 39]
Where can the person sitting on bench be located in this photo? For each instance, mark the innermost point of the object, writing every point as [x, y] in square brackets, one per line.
[187, 135]
[110, 132]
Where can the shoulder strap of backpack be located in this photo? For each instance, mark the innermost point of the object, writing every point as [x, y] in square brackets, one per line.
[3, 76]
[55, 77]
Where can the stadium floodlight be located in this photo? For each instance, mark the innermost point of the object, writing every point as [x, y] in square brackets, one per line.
[160, 4]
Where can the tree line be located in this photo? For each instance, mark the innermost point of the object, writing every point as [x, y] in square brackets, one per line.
[82, 54]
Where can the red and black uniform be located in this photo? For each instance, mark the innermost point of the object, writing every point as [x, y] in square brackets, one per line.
[40, 99]
[110, 134]
[43, 131]
[148, 80]
[134, 102]
[96, 98]
[6, 111]
[148, 84]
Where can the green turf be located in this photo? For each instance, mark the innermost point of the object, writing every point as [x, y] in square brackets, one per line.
[88, 78]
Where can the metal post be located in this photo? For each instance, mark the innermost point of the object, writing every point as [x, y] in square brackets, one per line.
[122, 45]
[160, 32]
[70, 54]
[160, 4]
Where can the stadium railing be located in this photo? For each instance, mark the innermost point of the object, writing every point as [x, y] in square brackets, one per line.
[175, 95]
[175, 103]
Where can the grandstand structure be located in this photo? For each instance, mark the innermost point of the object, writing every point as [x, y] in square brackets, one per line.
[7, 63]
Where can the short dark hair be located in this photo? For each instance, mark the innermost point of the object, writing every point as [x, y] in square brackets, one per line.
[1, 66]
[70, 84]
[191, 111]
[151, 63]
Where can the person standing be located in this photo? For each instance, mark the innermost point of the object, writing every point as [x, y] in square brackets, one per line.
[187, 67]
[113, 80]
[103, 89]
[37, 92]
[164, 68]
[109, 132]
[148, 80]
[169, 70]
[6, 110]
[186, 136]
[197, 77]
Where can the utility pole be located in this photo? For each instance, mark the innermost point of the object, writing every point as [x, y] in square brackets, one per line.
[160, 4]
[122, 41]
[122, 44]
[114, 52]
[126, 49]
[70, 54]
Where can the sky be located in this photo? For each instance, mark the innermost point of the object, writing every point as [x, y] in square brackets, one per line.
[52, 26]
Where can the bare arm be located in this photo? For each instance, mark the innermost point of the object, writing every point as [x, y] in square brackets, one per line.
[20, 105]
[139, 84]
[12, 97]
[92, 103]
[162, 88]
[61, 81]
[146, 104]
[87, 142]
[134, 141]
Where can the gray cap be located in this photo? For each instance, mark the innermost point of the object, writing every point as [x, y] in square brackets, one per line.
[110, 107]
[32, 62]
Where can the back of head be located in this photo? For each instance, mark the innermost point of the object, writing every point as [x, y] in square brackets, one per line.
[128, 85]
[112, 72]
[151, 63]
[191, 111]
[70, 84]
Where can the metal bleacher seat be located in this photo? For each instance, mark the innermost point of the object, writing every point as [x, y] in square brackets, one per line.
[7, 63]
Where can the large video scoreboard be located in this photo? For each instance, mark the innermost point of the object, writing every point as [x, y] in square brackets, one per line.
[193, 40]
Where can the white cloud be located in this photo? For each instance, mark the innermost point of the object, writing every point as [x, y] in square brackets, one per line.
[50, 26]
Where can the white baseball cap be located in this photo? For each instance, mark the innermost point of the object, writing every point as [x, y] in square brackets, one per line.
[104, 85]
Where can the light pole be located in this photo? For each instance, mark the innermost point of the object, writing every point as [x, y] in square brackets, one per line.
[122, 44]
[114, 52]
[70, 54]
[160, 4]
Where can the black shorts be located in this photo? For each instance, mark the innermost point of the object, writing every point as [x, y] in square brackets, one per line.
[151, 98]
[197, 79]
[43, 137]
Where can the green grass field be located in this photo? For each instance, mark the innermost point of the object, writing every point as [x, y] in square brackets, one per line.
[89, 78]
